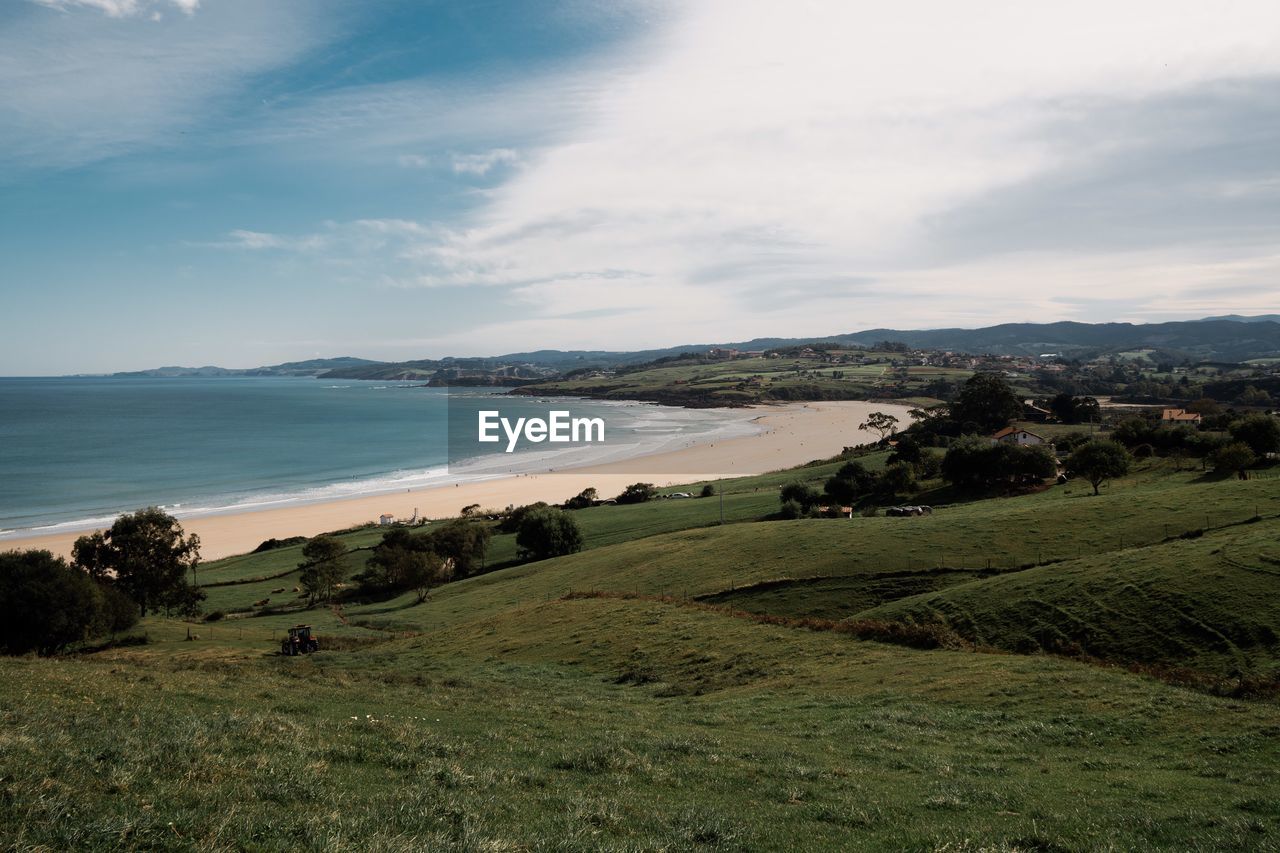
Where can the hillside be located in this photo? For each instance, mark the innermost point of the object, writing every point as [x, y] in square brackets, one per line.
[1229, 338]
[667, 689]
[310, 367]
[1212, 340]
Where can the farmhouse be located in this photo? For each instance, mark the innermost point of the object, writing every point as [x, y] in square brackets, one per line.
[1179, 416]
[1017, 435]
[386, 518]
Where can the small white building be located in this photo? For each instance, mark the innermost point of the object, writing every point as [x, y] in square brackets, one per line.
[1019, 436]
[386, 518]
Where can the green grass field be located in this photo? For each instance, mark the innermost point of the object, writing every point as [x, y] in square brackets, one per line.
[503, 714]
[743, 381]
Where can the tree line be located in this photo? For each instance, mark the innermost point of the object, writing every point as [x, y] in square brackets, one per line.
[139, 565]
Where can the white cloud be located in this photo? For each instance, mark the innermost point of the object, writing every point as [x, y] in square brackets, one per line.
[80, 88]
[413, 161]
[756, 168]
[120, 8]
[480, 164]
[806, 148]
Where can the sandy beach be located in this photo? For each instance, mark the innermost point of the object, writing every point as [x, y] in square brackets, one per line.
[791, 435]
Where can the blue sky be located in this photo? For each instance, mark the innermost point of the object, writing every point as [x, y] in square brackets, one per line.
[241, 183]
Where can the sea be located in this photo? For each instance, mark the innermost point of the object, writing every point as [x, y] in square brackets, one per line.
[77, 451]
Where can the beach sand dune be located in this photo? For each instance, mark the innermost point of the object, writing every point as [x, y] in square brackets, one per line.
[792, 435]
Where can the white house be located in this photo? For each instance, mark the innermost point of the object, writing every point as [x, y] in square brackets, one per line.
[386, 518]
[1019, 436]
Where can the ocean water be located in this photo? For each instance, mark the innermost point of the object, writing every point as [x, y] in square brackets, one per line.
[74, 452]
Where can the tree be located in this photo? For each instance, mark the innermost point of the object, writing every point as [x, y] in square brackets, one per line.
[149, 556]
[324, 566]
[1100, 460]
[708, 491]
[1070, 409]
[802, 494]
[424, 570]
[881, 423]
[849, 483]
[548, 532]
[1236, 456]
[46, 605]
[898, 479]
[1252, 395]
[585, 498]
[1260, 432]
[463, 542]
[637, 493]
[977, 463]
[392, 566]
[511, 523]
[1204, 407]
[987, 401]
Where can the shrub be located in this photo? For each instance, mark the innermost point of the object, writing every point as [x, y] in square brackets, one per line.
[511, 523]
[637, 493]
[708, 491]
[849, 483]
[1261, 433]
[273, 544]
[548, 532]
[587, 497]
[1099, 460]
[1236, 456]
[46, 605]
[804, 495]
[975, 463]
[791, 510]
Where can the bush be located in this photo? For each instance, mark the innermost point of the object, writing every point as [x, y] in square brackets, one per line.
[546, 533]
[46, 605]
[1261, 433]
[849, 483]
[406, 560]
[511, 523]
[1099, 460]
[708, 491]
[273, 544]
[975, 463]
[1236, 456]
[637, 493]
[587, 497]
[802, 494]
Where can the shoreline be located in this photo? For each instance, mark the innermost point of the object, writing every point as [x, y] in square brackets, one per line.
[791, 434]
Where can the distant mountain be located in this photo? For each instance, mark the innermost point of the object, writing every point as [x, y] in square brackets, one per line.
[1228, 338]
[311, 367]
[1213, 340]
[1240, 318]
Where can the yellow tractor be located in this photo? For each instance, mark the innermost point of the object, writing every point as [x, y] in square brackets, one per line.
[300, 641]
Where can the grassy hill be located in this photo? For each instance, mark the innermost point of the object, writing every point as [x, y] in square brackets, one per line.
[700, 381]
[504, 714]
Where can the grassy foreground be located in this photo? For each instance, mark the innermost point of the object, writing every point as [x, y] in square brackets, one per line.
[503, 715]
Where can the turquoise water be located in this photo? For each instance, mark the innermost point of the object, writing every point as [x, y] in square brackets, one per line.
[77, 451]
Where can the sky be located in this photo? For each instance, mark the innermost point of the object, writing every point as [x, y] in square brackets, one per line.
[240, 183]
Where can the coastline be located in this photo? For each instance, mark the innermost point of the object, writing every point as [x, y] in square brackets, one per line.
[792, 434]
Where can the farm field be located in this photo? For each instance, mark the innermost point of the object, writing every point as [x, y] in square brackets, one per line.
[659, 690]
[698, 381]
